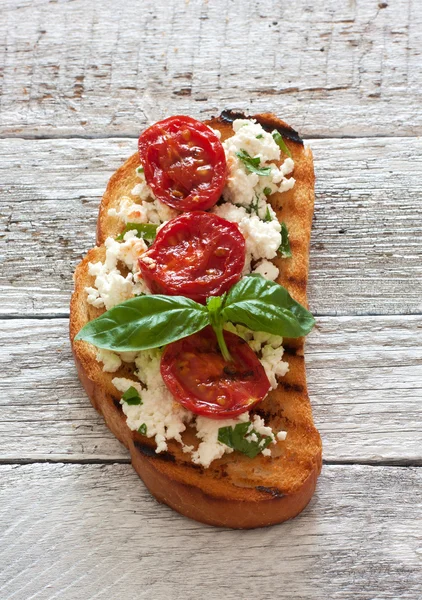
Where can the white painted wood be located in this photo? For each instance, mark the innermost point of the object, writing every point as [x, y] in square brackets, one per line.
[98, 68]
[365, 385]
[366, 254]
[92, 531]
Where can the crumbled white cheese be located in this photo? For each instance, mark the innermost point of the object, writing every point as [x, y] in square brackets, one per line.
[145, 212]
[110, 287]
[246, 188]
[269, 349]
[267, 269]
[262, 238]
[163, 417]
[111, 361]
[210, 448]
[131, 249]
[142, 189]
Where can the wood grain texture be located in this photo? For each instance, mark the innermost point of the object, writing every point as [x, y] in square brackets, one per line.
[366, 247]
[364, 375]
[92, 531]
[329, 68]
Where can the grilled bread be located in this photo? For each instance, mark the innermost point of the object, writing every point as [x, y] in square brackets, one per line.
[235, 491]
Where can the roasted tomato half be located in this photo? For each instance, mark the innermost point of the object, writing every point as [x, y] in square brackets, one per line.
[200, 379]
[184, 163]
[196, 255]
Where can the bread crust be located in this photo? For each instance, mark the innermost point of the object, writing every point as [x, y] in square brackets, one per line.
[235, 491]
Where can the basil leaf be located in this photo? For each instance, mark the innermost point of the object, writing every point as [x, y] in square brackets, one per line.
[142, 429]
[146, 231]
[278, 138]
[131, 396]
[234, 437]
[145, 322]
[284, 248]
[264, 305]
[253, 164]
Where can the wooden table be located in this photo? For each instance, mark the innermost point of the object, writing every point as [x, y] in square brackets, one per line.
[79, 81]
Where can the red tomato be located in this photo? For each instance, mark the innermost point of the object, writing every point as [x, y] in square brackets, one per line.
[196, 255]
[184, 163]
[200, 379]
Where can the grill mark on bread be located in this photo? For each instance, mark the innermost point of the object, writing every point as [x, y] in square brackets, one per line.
[299, 281]
[290, 350]
[116, 402]
[149, 451]
[228, 116]
[291, 387]
[273, 491]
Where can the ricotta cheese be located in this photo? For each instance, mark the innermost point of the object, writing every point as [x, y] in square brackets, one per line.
[111, 361]
[247, 188]
[153, 211]
[269, 349]
[110, 286]
[163, 417]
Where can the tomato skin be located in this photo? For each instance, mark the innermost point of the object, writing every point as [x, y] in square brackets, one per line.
[196, 255]
[196, 374]
[184, 163]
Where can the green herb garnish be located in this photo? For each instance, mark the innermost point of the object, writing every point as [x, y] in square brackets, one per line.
[131, 396]
[267, 191]
[146, 231]
[278, 138]
[259, 136]
[152, 321]
[252, 164]
[268, 216]
[235, 437]
[143, 429]
[284, 248]
[140, 169]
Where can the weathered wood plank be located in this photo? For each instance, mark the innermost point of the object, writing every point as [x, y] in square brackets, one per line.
[365, 384]
[359, 539]
[330, 68]
[366, 254]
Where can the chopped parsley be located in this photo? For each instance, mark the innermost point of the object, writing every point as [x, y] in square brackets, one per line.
[140, 169]
[284, 248]
[131, 396]
[142, 429]
[278, 138]
[235, 437]
[146, 231]
[267, 191]
[253, 164]
[259, 137]
[268, 216]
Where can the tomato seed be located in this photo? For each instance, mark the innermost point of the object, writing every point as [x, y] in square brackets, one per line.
[221, 251]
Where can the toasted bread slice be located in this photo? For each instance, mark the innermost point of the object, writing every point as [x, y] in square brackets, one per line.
[235, 491]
